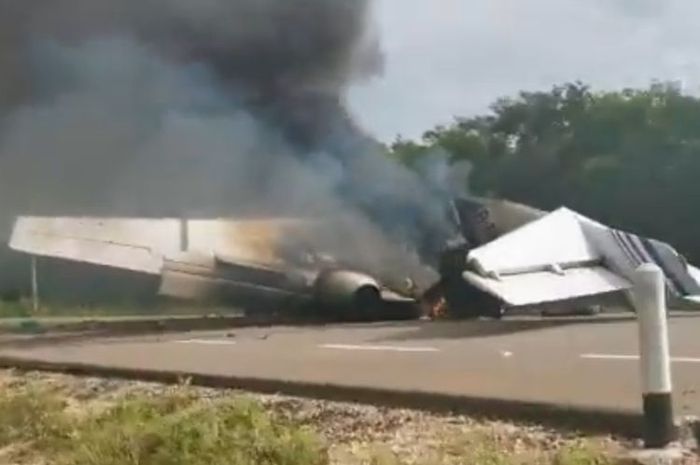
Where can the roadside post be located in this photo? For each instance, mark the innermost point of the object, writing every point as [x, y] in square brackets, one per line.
[35, 284]
[650, 301]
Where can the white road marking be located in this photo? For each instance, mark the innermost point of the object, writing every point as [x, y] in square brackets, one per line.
[212, 342]
[506, 353]
[378, 348]
[635, 357]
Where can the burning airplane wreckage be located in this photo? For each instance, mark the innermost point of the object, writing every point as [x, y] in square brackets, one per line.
[258, 264]
[511, 257]
[119, 117]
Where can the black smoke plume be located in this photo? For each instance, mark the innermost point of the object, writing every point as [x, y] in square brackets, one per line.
[199, 108]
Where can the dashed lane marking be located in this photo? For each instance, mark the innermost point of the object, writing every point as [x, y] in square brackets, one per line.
[211, 342]
[378, 348]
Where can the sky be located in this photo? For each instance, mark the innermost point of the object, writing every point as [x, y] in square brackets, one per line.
[446, 58]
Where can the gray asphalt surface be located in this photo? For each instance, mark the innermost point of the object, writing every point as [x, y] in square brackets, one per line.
[584, 363]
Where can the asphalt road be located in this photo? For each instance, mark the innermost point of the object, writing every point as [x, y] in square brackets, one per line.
[584, 363]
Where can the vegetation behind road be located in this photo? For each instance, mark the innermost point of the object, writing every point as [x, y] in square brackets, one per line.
[627, 158]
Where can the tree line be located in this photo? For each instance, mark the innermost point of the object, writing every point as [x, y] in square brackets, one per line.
[628, 158]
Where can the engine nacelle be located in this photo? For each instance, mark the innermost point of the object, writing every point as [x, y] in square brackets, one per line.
[345, 290]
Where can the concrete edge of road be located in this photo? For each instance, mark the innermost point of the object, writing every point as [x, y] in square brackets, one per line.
[124, 326]
[47, 328]
[590, 420]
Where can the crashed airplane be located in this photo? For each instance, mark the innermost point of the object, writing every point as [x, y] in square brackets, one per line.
[510, 257]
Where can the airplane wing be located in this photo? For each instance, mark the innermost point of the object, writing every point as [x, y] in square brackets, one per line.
[223, 253]
[548, 260]
[241, 262]
[565, 256]
[140, 244]
[545, 287]
[129, 244]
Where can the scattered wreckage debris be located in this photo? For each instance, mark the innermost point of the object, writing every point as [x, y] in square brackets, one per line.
[510, 257]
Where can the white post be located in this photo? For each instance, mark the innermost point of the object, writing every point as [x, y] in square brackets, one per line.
[650, 302]
[184, 234]
[35, 286]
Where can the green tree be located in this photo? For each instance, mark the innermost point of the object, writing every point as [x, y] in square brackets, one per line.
[628, 158]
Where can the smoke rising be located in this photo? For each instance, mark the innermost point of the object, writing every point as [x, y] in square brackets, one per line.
[199, 108]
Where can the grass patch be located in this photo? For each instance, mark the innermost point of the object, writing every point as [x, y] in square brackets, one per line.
[41, 423]
[177, 430]
[485, 447]
[14, 309]
[582, 454]
[173, 429]
[32, 414]
[482, 448]
[22, 308]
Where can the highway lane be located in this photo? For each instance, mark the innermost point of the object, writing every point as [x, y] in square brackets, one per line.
[585, 362]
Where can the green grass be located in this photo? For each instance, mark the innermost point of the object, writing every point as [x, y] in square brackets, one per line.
[14, 309]
[582, 454]
[481, 448]
[22, 308]
[174, 429]
[481, 456]
[177, 430]
[40, 424]
[31, 414]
